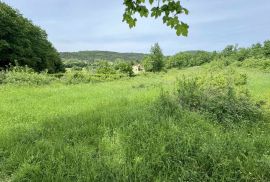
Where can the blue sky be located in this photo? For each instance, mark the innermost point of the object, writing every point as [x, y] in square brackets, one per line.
[74, 25]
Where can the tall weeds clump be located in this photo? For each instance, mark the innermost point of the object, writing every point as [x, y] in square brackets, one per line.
[219, 96]
[261, 64]
[2, 76]
[77, 77]
[25, 76]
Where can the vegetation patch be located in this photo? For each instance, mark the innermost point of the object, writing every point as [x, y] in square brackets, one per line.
[220, 96]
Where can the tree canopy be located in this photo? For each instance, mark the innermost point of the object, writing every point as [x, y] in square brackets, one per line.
[22, 43]
[154, 61]
[169, 10]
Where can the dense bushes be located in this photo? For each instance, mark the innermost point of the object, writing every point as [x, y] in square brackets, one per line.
[71, 63]
[27, 76]
[123, 67]
[188, 59]
[241, 54]
[95, 72]
[230, 54]
[261, 64]
[22, 43]
[220, 96]
[223, 103]
[76, 77]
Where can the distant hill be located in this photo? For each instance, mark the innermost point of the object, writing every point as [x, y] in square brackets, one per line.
[193, 51]
[101, 55]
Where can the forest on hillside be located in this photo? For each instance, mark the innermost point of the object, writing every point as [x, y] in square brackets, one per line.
[92, 56]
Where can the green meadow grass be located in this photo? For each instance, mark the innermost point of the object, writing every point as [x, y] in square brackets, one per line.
[259, 83]
[117, 131]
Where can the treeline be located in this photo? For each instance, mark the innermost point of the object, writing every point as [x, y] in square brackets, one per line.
[75, 63]
[188, 59]
[230, 54]
[22, 43]
[92, 56]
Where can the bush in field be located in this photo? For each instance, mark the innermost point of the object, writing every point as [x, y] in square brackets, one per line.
[2, 76]
[148, 64]
[25, 76]
[84, 76]
[75, 77]
[220, 63]
[188, 59]
[219, 97]
[241, 79]
[179, 60]
[154, 62]
[262, 63]
[256, 51]
[104, 67]
[70, 63]
[123, 67]
[229, 51]
[242, 54]
[77, 68]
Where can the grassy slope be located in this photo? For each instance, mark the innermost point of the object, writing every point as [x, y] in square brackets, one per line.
[110, 131]
[259, 83]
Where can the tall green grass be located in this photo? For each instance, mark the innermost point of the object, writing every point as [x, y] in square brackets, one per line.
[126, 130]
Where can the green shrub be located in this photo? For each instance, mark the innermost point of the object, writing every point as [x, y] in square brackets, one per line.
[188, 59]
[220, 63]
[25, 76]
[218, 97]
[2, 76]
[123, 67]
[76, 77]
[104, 67]
[262, 64]
[241, 79]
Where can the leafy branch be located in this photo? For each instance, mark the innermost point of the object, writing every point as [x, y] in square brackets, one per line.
[169, 10]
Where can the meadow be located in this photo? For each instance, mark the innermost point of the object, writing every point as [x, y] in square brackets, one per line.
[106, 116]
[131, 129]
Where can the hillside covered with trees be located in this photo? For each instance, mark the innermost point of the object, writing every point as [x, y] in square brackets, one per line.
[92, 56]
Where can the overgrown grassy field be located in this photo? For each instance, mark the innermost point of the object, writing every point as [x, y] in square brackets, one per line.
[125, 130]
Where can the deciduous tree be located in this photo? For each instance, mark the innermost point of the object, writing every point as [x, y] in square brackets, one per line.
[154, 62]
[23, 43]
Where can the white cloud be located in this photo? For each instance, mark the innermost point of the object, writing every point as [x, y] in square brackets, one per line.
[97, 25]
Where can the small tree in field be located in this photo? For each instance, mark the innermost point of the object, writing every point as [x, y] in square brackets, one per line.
[154, 62]
[123, 67]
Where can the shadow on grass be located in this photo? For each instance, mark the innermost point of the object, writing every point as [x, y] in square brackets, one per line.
[132, 142]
